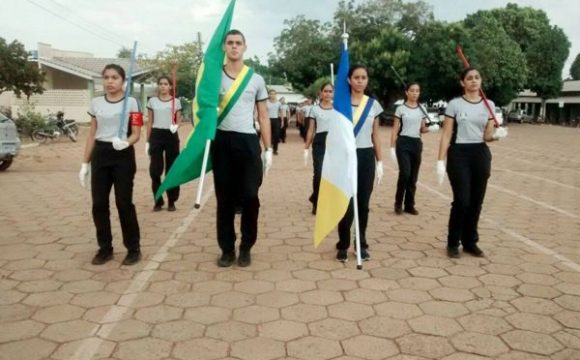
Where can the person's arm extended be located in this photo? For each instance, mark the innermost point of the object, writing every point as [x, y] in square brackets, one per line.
[376, 137]
[150, 120]
[264, 120]
[445, 137]
[90, 144]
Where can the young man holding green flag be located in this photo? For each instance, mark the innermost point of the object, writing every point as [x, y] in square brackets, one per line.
[237, 164]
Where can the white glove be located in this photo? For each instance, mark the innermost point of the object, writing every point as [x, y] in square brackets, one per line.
[433, 128]
[84, 174]
[440, 171]
[379, 171]
[393, 154]
[306, 154]
[147, 148]
[267, 160]
[500, 133]
[173, 128]
[119, 144]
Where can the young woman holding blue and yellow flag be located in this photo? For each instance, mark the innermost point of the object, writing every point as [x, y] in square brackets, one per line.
[365, 112]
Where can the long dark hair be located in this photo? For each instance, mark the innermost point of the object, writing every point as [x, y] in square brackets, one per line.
[409, 86]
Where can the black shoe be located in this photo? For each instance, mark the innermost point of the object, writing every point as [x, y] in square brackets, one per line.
[226, 260]
[157, 208]
[245, 258]
[313, 210]
[102, 257]
[453, 252]
[171, 207]
[398, 210]
[473, 250]
[412, 211]
[364, 255]
[132, 257]
[342, 255]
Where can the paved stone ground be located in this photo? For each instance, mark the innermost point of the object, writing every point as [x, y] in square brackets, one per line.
[296, 302]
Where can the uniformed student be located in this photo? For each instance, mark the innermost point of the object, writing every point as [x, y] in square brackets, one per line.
[274, 114]
[305, 117]
[406, 147]
[284, 119]
[365, 112]
[320, 116]
[237, 166]
[163, 139]
[467, 127]
[109, 150]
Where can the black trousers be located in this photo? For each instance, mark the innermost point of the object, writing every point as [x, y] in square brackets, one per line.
[284, 123]
[409, 158]
[318, 149]
[366, 178]
[275, 125]
[468, 168]
[111, 167]
[163, 149]
[304, 128]
[237, 168]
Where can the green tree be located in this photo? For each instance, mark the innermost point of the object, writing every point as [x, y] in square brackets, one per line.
[314, 89]
[124, 53]
[303, 51]
[270, 75]
[187, 57]
[545, 47]
[434, 63]
[575, 68]
[16, 73]
[500, 59]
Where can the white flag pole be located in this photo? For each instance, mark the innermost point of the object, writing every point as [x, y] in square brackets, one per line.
[332, 73]
[355, 190]
[202, 175]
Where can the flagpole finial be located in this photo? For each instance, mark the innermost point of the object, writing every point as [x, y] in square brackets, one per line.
[345, 39]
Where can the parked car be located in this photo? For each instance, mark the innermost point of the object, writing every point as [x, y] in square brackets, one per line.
[9, 142]
[519, 116]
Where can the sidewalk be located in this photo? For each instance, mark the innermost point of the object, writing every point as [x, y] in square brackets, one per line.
[294, 301]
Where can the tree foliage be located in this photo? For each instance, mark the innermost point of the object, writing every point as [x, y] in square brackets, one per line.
[187, 57]
[16, 73]
[575, 68]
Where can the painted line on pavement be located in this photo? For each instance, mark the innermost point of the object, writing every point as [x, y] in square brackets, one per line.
[519, 173]
[91, 345]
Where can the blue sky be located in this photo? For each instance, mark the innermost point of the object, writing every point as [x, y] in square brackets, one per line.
[102, 27]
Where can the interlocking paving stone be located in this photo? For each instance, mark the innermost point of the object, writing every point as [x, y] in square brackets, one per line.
[295, 302]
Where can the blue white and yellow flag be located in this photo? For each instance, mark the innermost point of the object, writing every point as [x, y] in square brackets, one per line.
[339, 167]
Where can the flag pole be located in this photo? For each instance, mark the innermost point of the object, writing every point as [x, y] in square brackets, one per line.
[332, 73]
[197, 204]
[202, 175]
[355, 190]
[127, 91]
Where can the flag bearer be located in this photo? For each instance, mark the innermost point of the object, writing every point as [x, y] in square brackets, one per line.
[109, 150]
[237, 166]
[365, 112]
[163, 139]
[467, 127]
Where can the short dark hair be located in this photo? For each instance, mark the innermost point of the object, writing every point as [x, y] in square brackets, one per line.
[355, 67]
[325, 84]
[235, 32]
[467, 71]
[411, 84]
[118, 68]
[166, 78]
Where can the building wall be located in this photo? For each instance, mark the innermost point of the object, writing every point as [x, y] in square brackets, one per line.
[59, 80]
[74, 103]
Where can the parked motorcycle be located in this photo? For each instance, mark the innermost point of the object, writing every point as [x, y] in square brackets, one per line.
[55, 128]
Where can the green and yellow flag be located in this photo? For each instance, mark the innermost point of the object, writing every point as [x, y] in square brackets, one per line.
[188, 164]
